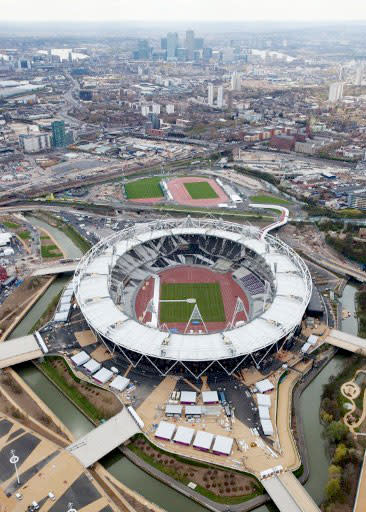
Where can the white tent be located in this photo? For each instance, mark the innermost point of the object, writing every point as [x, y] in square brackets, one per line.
[188, 397]
[165, 430]
[173, 410]
[184, 435]
[119, 383]
[103, 375]
[223, 445]
[267, 427]
[92, 366]
[210, 397]
[264, 385]
[305, 347]
[193, 410]
[312, 339]
[203, 440]
[263, 412]
[80, 358]
[263, 399]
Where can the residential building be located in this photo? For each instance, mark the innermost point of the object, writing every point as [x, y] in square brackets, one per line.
[220, 96]
[335, 92]
[210, 98]
[35, 142]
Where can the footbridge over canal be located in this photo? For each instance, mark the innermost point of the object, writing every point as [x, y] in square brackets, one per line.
[106, 437]
[286, 492]
[20, 350]
[346, 341]
[58, 267]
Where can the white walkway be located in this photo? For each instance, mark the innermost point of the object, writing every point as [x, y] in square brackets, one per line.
[288, 494]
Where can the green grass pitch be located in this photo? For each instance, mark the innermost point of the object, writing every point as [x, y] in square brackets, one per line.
[200, 190]
[144, 189]
[207, 295]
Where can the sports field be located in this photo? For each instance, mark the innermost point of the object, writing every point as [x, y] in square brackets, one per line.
[144, 189]
[207, 295]
[200, 190]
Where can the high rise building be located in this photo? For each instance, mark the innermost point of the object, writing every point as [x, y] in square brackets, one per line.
[190, 44]
[210, 98]
[156, 108]
[172, 45]
[155, 121]
[170, 108]
[58, 134]
[335, 92]
[35, 142]
[359, 75]
[220, 96]
[235, 81]
[145, 110]
[198, 43]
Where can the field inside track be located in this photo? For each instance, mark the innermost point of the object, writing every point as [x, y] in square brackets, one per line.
[144, 189]
[207, 295]
[200, 190]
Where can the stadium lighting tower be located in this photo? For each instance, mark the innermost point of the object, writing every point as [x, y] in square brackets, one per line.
[70, 508]
[14, 459]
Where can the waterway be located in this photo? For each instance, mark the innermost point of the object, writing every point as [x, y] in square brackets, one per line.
[130, 474]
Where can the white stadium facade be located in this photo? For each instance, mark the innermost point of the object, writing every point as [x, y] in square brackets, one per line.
[273, 276]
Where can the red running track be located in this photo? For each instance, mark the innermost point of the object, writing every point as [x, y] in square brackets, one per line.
[181, 196]
[230, 290]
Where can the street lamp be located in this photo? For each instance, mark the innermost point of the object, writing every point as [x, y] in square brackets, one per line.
[14, 459]
[70, 508]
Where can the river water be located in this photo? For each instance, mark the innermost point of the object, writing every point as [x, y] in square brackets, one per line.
[130, 474]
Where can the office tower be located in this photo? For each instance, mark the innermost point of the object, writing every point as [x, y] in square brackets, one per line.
[235, 81]
[156, 108]
[335, 92]
[359, 74]
[207, 53]
[198, 43]
[190, 44]
[143, 51]
[172, 45]
[155, 121]
[58, 134]
[164, 43]
[210, 98]
[220, 96]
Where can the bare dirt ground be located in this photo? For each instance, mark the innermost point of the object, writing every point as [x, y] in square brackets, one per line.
[223, 483]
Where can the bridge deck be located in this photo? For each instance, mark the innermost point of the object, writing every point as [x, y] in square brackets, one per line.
[104, 438]
[19, 350]
[288, 494]
[360, 502]
[346, 341]
[55, 268]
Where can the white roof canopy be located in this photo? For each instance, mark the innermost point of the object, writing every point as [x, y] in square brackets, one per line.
[223, 444]
[184, 435]
[165, 430]
[203, 440]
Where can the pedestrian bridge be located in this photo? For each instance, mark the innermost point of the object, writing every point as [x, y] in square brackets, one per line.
[346, 341]
[19, 350]
[106, 437]
[288, 494]
[56, 268]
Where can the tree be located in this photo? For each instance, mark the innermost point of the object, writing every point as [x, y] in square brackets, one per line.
[334, 471]
[333, 489]
[340, 454]
[336, 431]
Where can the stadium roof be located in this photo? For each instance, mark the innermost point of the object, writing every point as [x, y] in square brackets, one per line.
[290, 276]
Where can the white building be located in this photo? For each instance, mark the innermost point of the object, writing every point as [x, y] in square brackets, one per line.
[35, 142]
[359, 75]
[145, 110]
[210, 98]
[235, 81]
[156, 108]
[335, 92]
[220, 97]
[170, 108]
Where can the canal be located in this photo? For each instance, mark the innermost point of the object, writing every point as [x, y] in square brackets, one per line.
[130, 474]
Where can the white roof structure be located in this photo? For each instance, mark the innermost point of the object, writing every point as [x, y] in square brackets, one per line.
[173, 409]
[263, 399]
[165, 430]
[267, 427]
[188, 397]
[210, 397]
[203, 440]
[193, 410]
[5, 238]
[263, 412]
[312, 339]
[223, 445]
[264, 385]
[80, 358]
[119, 383]
[305, 348]
[103, 375]
[92, 366]
[184, 435]
[291, 279]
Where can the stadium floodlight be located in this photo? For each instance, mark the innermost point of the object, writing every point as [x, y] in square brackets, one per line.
[14, 459]
[70, 508]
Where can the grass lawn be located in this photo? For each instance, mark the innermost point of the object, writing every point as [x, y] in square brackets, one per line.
[144, 189]
[10, 225]
[207, 295]
[50, 251]
[269, 200]
[200, 190]
[24, 235]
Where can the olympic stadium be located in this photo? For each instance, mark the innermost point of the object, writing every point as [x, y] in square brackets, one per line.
[193, 295]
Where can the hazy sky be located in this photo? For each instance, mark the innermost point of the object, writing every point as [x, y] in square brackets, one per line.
[170, 10]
